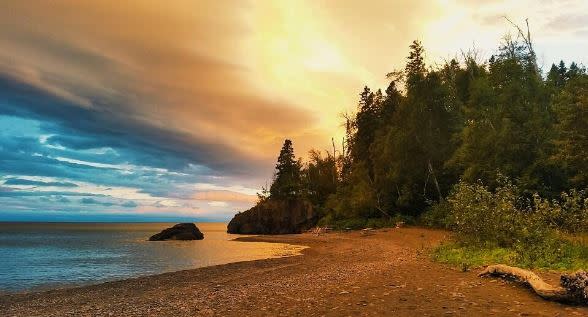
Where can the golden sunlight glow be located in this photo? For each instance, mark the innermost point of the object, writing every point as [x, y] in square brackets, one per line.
[295, 56]
[267, 69]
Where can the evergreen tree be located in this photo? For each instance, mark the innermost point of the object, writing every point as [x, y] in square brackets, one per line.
[366, 123]
[404, 150]
[415, 67]
[554, 77]
[287, 180]
[571, 107]
[562, 72]
[412, 152]
[320, 177]
[575, 71]
[507, 121]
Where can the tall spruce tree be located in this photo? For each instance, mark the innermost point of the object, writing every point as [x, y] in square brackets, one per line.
[410, 154]
[287, 179]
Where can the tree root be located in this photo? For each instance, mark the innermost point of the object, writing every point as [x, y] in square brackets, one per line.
[574, 287]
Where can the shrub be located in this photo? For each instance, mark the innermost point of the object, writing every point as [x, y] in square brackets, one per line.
[533, 229]
[481, 217]
[437, 216]
[467, 257]
[564, 255]
[361, 223]
[568, 214]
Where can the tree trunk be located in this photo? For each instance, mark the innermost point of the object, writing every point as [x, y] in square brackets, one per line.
[540, 287]
[432, 172]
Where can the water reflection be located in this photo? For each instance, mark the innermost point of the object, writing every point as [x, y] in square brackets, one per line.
[45, 255]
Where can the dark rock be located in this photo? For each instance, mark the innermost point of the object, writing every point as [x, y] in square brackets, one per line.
[275, 217]
[181, 231]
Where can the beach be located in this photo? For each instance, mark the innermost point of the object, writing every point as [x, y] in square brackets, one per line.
[387, 272]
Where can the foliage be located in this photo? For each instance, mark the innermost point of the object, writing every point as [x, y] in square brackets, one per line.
[571, 108]
[567, 256]
[504, 226]
[437, 216]
[470, 257]
[287, 180]
[490, 149]
[568, 214]
[320, 177]
[479, 216]
[361, 223]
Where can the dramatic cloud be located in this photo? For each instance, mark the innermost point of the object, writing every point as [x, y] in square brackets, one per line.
[226, 196]
[140, 108]
[21, 181]
[159, 85]
[92, 201]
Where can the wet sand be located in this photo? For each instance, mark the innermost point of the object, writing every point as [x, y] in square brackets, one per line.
[388, 273]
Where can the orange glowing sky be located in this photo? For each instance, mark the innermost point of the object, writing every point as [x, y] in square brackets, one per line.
[232, 79]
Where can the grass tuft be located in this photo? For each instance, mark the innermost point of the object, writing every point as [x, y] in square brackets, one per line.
[567, 256]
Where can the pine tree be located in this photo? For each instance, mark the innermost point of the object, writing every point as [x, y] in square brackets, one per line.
[562, 71]
[575, 71]
[287, 180]
[571, 107]
[554, 77]
[366, 124]
[415, 67]
[507, 121]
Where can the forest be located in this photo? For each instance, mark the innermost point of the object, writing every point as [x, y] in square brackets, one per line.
[495, 150]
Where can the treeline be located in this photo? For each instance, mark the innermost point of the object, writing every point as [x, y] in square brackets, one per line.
[406, 148]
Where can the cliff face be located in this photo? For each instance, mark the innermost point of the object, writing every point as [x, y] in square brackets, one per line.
[275, 217]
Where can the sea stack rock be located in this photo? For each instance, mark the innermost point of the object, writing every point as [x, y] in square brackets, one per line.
[181, 231]
[275, 217]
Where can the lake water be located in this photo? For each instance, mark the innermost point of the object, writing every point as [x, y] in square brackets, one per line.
[37, 256]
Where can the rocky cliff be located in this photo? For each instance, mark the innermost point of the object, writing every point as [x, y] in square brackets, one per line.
[275, 217]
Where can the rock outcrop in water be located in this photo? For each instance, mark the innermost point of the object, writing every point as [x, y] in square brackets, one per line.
[275, 217]
[181, 231]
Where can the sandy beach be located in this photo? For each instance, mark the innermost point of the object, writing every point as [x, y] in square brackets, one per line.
[387, 273]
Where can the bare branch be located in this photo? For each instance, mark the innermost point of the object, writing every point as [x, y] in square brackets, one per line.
[527, 37]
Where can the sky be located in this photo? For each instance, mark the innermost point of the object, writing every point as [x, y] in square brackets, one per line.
[166, 110]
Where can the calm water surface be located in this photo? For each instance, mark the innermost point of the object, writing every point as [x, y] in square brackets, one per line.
[36, 256]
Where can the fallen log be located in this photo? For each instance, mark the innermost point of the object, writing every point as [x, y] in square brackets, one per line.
[574, 287]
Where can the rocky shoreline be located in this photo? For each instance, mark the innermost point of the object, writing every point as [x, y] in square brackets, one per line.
[275, 217]
[388, 272]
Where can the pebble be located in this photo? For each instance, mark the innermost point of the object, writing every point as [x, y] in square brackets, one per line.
[310, 290]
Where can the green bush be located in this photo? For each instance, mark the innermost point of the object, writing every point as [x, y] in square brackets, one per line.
[360, 223]
[565, 255]
[481, 217]
[353, 223]
[568, 214]
[437, 216]
[463, 256]
[533, 231]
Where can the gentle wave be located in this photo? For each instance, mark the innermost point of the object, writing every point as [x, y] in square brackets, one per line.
[39, 256]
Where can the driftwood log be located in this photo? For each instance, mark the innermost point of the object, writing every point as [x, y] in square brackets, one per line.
[573, 288]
